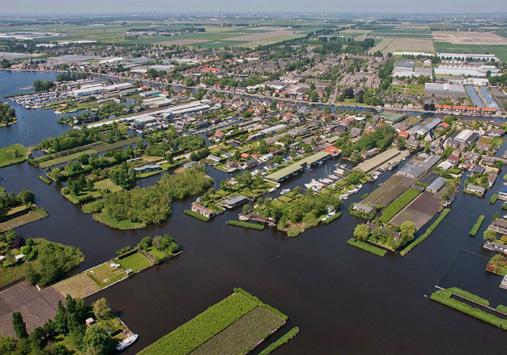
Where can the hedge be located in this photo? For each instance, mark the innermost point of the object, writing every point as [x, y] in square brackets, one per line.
[244, 224]
[366, 247]
[475, 228]
[284, 339]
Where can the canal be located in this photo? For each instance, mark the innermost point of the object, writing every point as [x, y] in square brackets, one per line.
[344, 300]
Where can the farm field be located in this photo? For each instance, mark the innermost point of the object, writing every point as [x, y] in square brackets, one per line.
[215, 331]
[388, 191]
[420, 211]
[499, 50]
[399, 44]
[469, 37]
[26, 218]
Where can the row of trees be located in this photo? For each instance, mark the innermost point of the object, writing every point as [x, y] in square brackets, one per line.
[8, 199]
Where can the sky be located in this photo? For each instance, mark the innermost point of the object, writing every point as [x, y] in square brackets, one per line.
[54, 7]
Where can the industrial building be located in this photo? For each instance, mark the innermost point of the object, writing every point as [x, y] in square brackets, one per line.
[444, 89]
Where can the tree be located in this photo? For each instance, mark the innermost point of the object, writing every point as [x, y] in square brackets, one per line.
[97, 341]
[60, 321]
[19, 325]
[101, 309]
[362, 232]
[407, 230]
[489, 235]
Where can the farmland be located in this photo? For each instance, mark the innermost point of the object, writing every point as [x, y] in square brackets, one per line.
[499, 50]
[215, 331]
[420, 211]
[397, 205]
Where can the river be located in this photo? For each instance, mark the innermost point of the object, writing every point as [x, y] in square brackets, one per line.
[344, 300]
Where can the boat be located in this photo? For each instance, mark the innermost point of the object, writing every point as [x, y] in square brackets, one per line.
[125, 343]
[284, 191]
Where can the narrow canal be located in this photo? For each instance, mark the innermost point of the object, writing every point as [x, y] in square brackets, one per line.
[344, 300]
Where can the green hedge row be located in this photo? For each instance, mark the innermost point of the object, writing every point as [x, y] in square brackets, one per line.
[244, 224]
[284, 339]
[366, 247]
[475, 228]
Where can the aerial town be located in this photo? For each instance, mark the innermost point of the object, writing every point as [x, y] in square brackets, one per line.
[242, 184]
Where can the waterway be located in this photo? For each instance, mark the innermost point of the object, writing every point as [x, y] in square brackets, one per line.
[344, 300]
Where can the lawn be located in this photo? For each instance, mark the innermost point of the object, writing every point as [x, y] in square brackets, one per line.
[136, 261]
[196, 332]
[105, 275]
[196, 215]
[107, 185]
[397, 205]
[13, 154]
[104, 218]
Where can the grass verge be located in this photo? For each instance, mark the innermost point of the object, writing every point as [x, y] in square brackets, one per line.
[284, 339]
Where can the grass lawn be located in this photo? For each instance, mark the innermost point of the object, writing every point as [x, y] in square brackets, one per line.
[82, 197]
[104, 275]
[107, 185]
[196, 215]
[78, 286]
[13, 273]
[113, 223]
[13, 154]
[136, 262]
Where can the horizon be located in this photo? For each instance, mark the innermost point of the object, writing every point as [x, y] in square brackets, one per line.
[54, 8]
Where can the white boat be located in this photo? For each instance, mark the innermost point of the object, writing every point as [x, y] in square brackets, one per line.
[125, 343]
[284, 191]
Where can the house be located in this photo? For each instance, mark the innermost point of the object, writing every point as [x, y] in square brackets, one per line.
[454, 158]
[478, 169]
[198, 208]
[355, 132]
[363, 208]
[502, 194]
[436, 185]
[234, 201]
[148, 168]
[479, 190]
[499, 225]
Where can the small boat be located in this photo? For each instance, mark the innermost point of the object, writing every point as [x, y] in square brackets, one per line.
[284, 191]
[125, 343]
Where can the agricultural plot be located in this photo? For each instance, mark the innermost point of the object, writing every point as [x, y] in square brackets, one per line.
[235, 325]
[397, 205]
[447, 47]
[390, 45]
[469, 37]
[388, 191]
[420, 211]
[243, 335]
[26, 218]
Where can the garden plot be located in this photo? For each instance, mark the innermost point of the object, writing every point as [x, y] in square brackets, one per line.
[420, 211]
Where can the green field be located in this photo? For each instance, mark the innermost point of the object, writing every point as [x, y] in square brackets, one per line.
[498, 50]
[244, 224]
[13, 154]
[113, 223]
[136, 261]
[209, 327]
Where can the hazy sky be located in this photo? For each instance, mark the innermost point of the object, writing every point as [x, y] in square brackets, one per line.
[48, 7]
